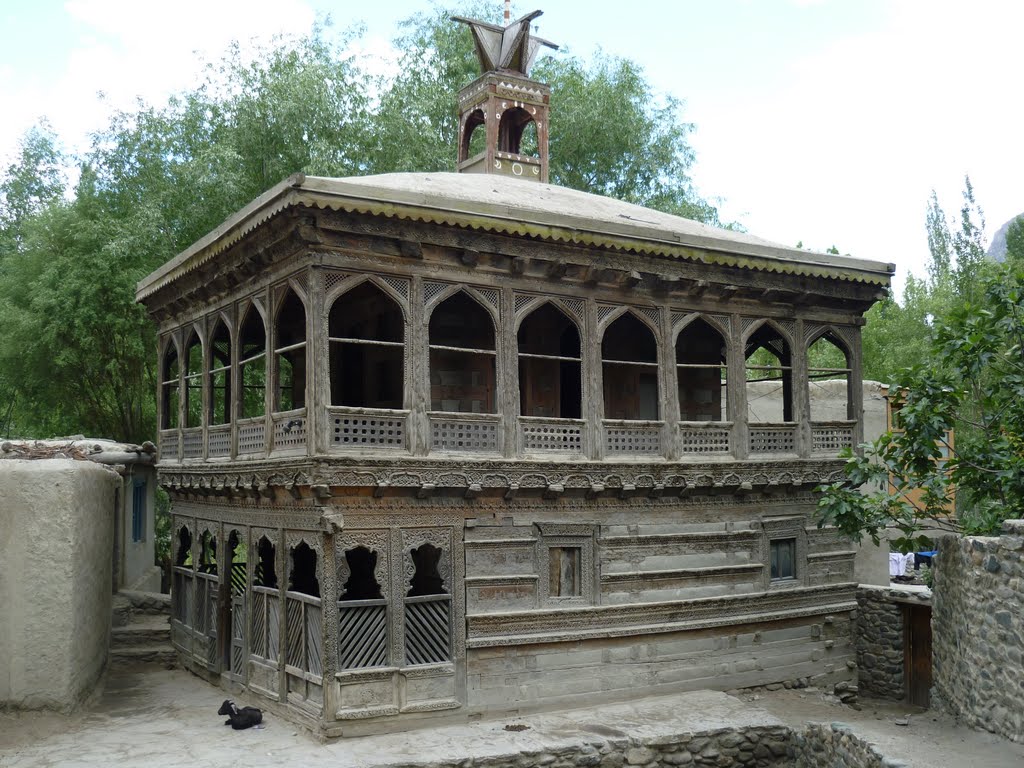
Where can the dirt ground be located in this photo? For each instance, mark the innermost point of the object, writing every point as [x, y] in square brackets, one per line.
[153, 718]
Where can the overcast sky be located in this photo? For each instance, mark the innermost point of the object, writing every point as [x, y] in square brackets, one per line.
[821, 121]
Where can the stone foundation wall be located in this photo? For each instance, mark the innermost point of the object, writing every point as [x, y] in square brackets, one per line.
[835, 746]
[978, 630]
[878, 638]
[815, 746]
[748, 748]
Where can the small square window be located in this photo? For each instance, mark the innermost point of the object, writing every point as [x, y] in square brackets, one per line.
[564, 571]
[783, 559]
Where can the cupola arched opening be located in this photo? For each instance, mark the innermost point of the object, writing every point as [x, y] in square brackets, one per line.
[511, 130]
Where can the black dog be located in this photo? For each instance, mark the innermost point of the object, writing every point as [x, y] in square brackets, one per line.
[239, 719]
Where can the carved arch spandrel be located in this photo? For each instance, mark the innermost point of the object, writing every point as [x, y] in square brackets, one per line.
[785, 328]
[441, 538]
[353, 281]
[378, 541]
[527, 304]
[607, 315]
[718, 322]
[433, 297]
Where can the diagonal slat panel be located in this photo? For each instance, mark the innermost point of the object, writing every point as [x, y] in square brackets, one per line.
[314, 640]
[295, 651]
[428, 631]
[273, 627]
[259, 624]
[362, 636]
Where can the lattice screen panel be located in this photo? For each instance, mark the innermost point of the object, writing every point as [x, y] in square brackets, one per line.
[636, 440]
[700, 440]
[457, 435]
[552, 437]
[773, 440]
[369, 431]
[831, 439]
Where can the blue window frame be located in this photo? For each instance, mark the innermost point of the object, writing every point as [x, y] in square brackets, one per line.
[139, 511]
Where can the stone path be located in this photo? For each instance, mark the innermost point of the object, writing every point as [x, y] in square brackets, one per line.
[155, 718]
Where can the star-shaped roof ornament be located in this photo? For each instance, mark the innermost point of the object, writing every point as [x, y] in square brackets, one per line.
[510, 48]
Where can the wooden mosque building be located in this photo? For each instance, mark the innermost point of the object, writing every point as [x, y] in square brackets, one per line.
[454, 444]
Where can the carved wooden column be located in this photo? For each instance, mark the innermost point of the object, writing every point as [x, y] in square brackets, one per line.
[318, 369]
[270, 337]
[801, 395]
[736, 387]
[670, 399]
[417, 382]
[856, 388]
[234, 411]
[592, 375]
[508, 372]
[329, 593]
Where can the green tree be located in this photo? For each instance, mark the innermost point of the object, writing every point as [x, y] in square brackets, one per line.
[29, 184]
[897, 333]
[972, 381]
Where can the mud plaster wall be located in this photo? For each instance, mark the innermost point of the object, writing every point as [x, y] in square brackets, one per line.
[56, 545]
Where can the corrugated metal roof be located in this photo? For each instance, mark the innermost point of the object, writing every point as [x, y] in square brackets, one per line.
[511, 206]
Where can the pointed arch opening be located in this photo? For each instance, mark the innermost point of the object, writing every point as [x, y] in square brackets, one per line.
[290, 353]
[829, 377]
[474, 135]
[629, 365]
[252, 365]
[220, 374]
[769, 372]
[550, 364]
[701, 373]
[511, 129]
[170, 388]
[366, 334]
[463, 376]
[193, 381]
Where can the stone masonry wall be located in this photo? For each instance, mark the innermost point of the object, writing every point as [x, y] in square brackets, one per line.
[834, 745]
[815, 746]
[878, 638]
[978, 630]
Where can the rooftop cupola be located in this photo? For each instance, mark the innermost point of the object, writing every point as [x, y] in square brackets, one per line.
[505, 103]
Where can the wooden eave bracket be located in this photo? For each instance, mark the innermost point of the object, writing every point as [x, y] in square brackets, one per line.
[411, 249]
